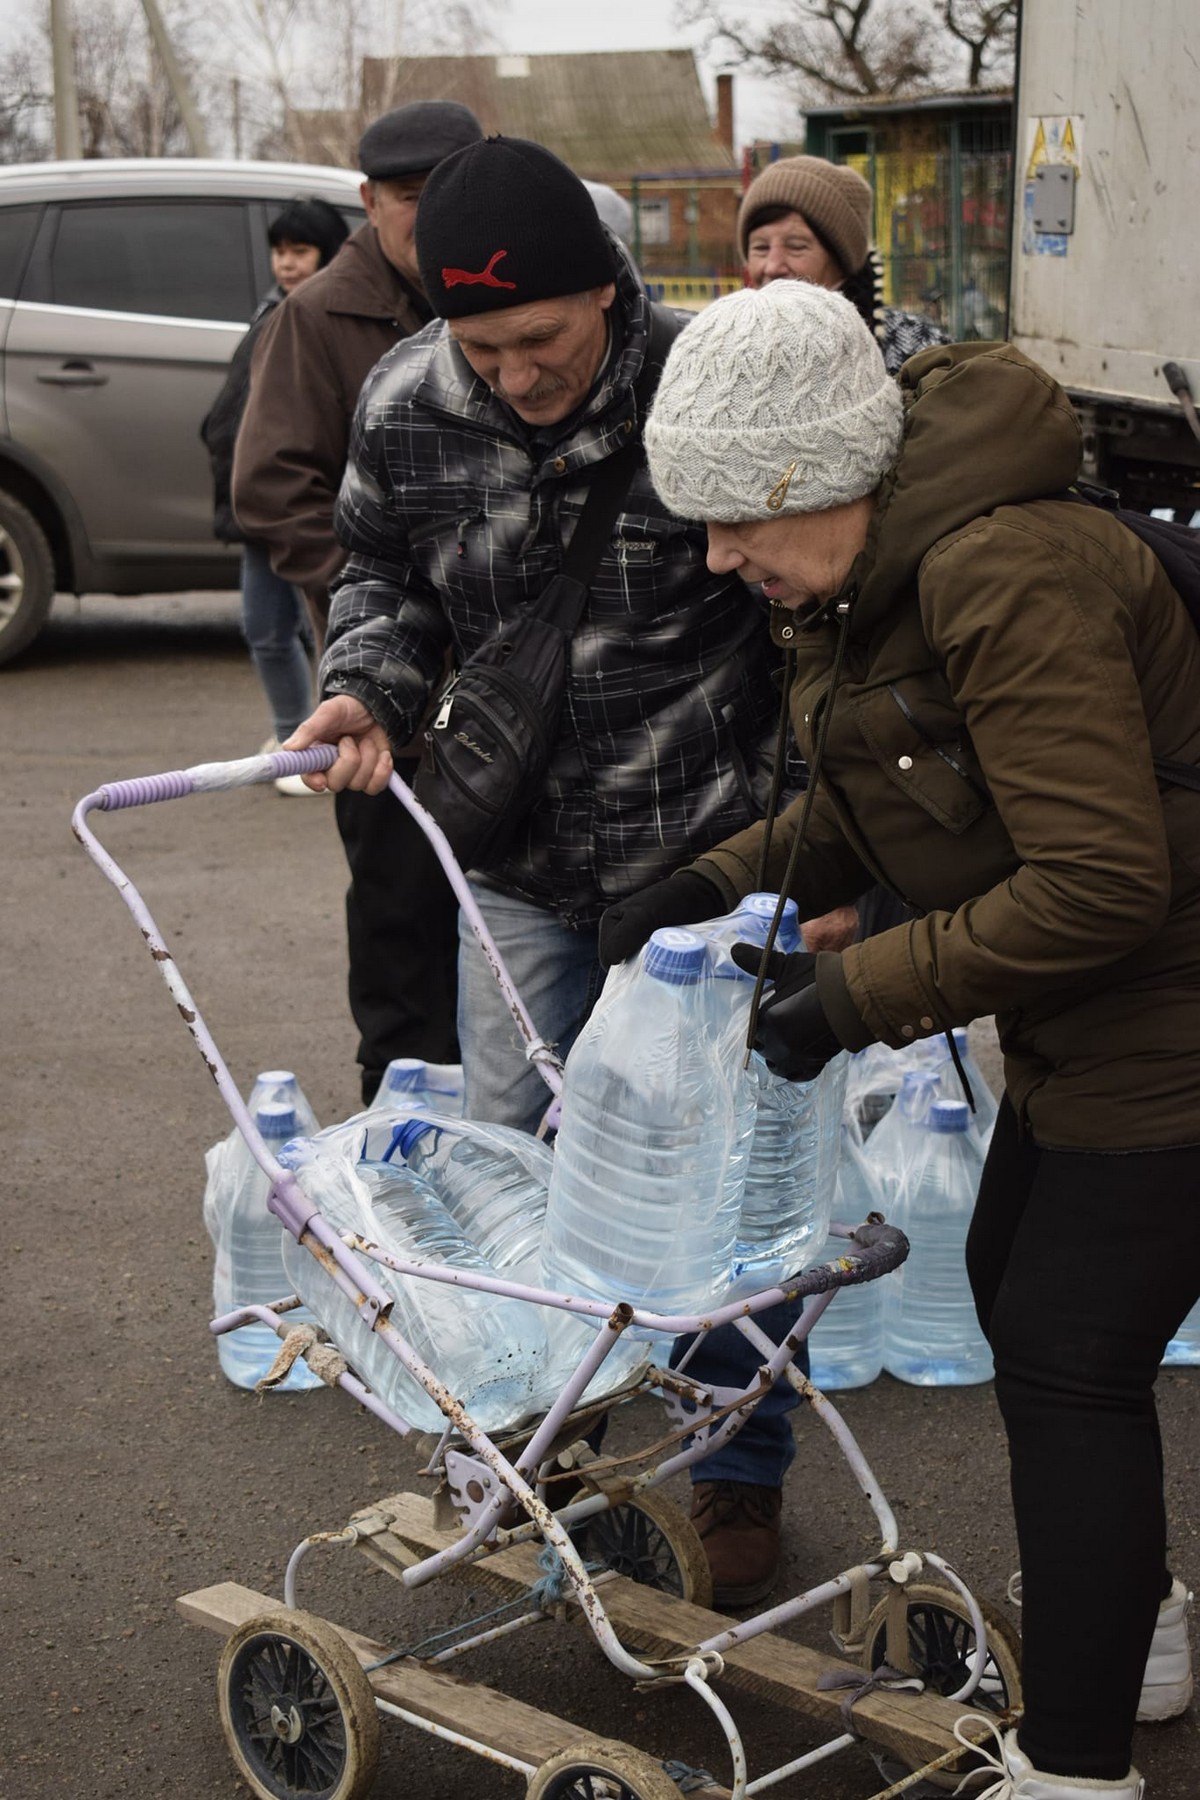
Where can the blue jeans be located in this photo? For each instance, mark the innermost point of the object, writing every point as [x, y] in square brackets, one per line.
[558, 975]
[275, 621]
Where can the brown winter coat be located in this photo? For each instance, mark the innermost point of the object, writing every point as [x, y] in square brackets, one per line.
[309, 366]
[1014, 662]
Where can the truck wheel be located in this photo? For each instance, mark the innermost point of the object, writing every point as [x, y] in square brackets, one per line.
[26, 577]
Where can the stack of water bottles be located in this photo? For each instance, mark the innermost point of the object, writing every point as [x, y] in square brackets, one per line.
[681, 1178]
[913, 1149]
[683, 1175]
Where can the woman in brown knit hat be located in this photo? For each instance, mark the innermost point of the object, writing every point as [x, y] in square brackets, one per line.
[805, 219]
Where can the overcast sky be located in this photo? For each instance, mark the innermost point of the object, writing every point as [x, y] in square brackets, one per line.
[531, 27]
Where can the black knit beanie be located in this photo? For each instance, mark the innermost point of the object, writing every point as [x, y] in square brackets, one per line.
[310, 221]
[503, 222]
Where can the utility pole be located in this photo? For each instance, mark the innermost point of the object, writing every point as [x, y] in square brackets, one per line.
[67, 141]
[235, 87]
[197, 137]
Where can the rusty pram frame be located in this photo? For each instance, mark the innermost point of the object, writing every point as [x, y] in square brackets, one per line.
[301, 1698]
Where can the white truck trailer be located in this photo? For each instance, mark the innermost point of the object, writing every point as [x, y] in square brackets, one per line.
[1106, 237]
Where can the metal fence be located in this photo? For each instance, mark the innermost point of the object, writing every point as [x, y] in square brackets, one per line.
[942, 213]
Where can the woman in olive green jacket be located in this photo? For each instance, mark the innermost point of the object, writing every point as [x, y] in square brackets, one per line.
[985, 672]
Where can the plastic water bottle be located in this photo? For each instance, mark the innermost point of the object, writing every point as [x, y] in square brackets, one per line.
[932, 1337]
[423, 1086]
[249, 1241]
[1183, 1351]
[639, 1207]
[899, 1138]
[490, 1351]
[491, 1179]
[787, 1182]
[845, 1346]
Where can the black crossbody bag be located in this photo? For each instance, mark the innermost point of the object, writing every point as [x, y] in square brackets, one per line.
[488, 744]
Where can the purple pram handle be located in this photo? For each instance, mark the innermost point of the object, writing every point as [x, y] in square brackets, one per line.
[212, 778]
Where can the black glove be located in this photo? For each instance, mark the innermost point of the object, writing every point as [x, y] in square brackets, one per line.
[681, 899]
[794, 1038]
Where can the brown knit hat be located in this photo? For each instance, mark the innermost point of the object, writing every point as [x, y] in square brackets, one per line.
[835, 201]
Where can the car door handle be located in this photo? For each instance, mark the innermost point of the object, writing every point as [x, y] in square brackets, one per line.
[75, 374]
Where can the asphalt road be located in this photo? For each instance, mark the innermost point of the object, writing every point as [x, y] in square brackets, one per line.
[130, 1471]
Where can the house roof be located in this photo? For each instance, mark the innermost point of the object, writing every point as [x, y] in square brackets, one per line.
[608, 114]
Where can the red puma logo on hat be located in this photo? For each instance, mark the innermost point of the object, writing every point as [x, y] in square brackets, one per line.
[485, 278]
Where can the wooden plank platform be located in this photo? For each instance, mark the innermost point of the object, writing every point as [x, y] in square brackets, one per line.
[914, 1727]
[503, 1724]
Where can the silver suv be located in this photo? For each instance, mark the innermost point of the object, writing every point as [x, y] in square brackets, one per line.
[124, 288]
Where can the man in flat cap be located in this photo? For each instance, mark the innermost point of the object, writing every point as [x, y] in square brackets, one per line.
[309, 366]
[474, 449]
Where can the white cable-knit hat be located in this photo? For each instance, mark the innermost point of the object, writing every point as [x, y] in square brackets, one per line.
[773, 400]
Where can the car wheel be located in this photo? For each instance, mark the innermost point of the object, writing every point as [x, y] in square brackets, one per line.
[26, 577]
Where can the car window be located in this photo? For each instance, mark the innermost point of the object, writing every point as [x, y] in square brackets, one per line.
[17, 226]
[184, 259]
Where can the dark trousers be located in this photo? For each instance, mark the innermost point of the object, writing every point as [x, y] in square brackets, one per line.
[402, 927]
[1083, 1265]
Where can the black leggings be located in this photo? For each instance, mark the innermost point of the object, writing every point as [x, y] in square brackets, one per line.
[1083, 1265]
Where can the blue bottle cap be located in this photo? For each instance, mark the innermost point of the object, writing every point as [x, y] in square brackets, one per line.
[961, 1040]
[913, 1080]
[404, 1074]
[276, 1121]
[275, 1078]
[762, 906]
[675, 956]
[949, 1115]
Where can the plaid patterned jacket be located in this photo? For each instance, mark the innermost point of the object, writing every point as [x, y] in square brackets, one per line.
[454, 521]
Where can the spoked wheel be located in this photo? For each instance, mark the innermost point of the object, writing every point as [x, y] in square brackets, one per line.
[941, 1644]
[601, 1771]
[652, 1541]
[297, 1711]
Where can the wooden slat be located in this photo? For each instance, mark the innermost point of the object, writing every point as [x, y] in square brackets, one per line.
[503, 1724]
[914, 1727]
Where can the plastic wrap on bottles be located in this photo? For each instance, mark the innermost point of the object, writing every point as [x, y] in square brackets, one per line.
[845, 1346]
[248, 1240]
[488, 1349]
[423, 1086]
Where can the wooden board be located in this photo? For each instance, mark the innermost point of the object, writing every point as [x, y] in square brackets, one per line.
[503, 1724]
[914, 1727]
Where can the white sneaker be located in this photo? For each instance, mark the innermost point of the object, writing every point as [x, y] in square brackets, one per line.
[1017, 1779]
[294, 784]
[1167, 1683]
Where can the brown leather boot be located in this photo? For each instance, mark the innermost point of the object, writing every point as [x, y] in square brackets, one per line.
[738, 1523]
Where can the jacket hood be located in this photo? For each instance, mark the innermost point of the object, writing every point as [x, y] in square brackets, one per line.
[983, 427]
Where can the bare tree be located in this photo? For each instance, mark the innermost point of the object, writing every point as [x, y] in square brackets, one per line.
[988, 30]
[846, 49]
[26, 105]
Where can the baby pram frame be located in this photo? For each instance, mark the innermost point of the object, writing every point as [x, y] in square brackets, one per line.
[301, 1698]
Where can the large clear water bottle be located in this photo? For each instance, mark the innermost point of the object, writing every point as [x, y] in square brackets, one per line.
[640, 1209]
[423, 1086]
[249, 1268]
[490, 1351]
[786, 1173]
[932, 1336]
[899, 1137]
[845, 1346]
[1183, 1351]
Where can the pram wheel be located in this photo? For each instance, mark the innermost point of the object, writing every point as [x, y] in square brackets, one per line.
[941, 1647]
[601, 1771]
[297, 1710]
[652, 1541]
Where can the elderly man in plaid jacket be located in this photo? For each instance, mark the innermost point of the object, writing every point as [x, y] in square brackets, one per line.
[469, 467]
